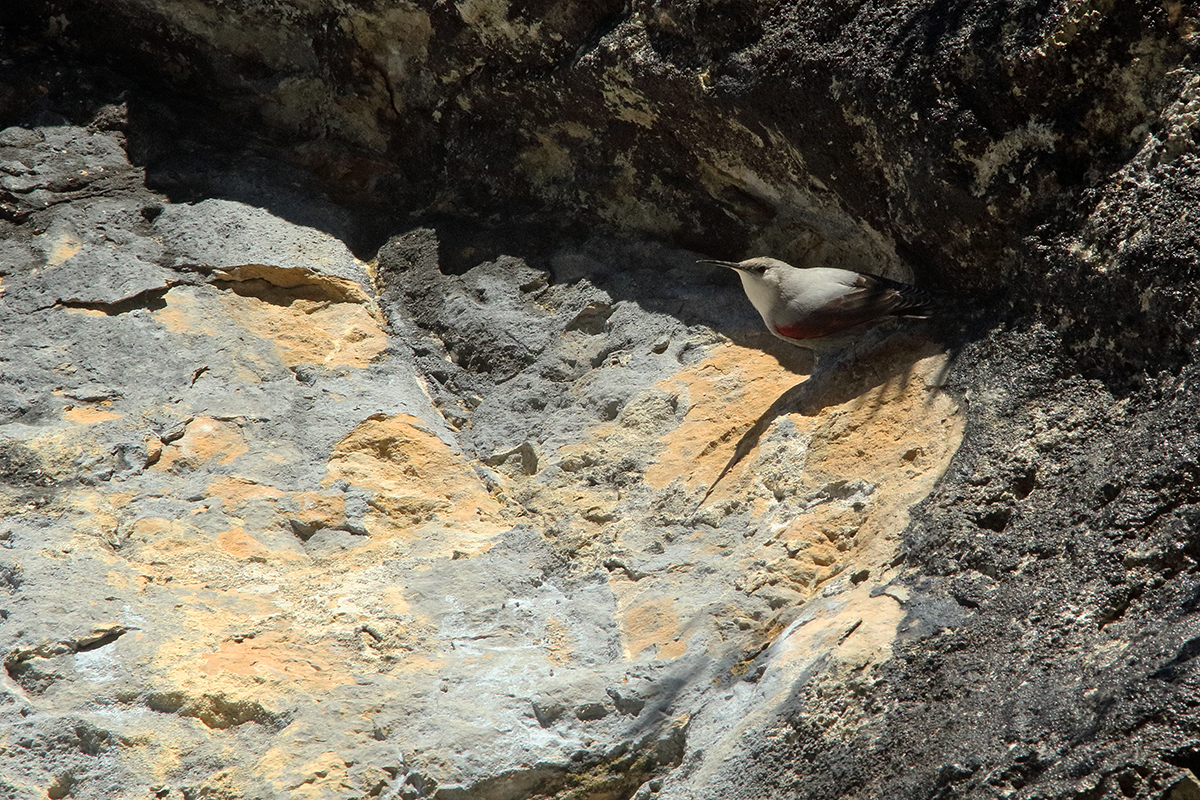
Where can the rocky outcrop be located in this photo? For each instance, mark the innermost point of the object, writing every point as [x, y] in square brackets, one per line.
[482, 532]
[367, 428]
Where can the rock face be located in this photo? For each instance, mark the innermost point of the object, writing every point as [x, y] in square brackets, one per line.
[367, 428]
[469, 548]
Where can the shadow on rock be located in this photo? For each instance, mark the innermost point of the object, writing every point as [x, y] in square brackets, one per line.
[874, 364]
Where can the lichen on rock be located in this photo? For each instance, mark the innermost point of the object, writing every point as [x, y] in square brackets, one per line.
[368, 429]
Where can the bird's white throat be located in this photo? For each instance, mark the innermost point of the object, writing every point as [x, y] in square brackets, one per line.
[759, 292]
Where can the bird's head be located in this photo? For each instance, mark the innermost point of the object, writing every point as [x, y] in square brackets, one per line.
[751, 266]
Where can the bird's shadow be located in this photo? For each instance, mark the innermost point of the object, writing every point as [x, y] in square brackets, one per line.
[838, 379]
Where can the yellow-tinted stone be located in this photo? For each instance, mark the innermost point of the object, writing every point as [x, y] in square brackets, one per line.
[303, 321]
[728, 391]
[64, 247]
[416, 479]
[207, 441]
[89, 415]
[652, 623]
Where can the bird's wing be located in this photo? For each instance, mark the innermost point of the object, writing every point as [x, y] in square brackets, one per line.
[881, 296]
[866, 298]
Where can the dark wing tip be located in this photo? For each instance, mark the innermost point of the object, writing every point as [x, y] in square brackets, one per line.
[898, 299]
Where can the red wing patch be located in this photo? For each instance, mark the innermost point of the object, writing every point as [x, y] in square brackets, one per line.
[804, 331]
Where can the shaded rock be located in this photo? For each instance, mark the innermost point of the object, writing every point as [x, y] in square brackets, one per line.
[302, 487]
[241, 243]
[294, 532]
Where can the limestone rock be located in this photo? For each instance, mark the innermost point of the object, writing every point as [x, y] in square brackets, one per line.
[281, 532]
[367, 428]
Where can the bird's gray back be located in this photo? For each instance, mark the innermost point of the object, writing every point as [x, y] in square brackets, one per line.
[810, 289]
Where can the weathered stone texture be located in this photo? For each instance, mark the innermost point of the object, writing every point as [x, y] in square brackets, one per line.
[288, 571]
[368, 430]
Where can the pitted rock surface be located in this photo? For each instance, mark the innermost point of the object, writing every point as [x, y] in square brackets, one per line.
[426, 541]
[368, 430]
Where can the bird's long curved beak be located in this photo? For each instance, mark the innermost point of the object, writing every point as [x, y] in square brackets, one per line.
[727, 264]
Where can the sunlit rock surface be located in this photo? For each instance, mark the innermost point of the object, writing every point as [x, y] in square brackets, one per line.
[250, 554]
[367, 428]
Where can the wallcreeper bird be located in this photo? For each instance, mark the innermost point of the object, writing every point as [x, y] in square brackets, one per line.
[822, 308]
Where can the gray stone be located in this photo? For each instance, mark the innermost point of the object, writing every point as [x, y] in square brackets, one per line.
[21, 137]
[224, 235]
[270, 528]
